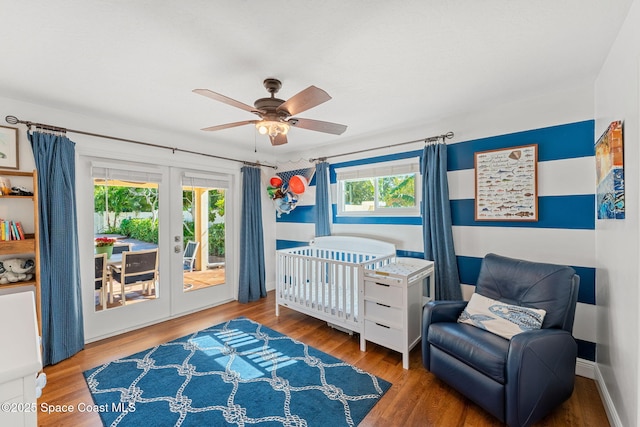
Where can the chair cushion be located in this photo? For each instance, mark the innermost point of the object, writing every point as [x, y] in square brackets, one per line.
[500, 318]
[482, 350]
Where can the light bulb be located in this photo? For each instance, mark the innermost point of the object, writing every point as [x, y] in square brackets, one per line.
[262, 129]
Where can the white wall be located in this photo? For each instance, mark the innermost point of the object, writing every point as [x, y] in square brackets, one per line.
[616, 98]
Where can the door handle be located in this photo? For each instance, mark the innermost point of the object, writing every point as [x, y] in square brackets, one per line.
[177, 249]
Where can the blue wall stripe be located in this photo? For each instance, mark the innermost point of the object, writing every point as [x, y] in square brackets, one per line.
[587, 291]
[554, 143]
[388, 220]
[287, 244]
[469, 268]
[586, 350]
[569, 212]
[371, 160]
[409, 254]
[301, 214]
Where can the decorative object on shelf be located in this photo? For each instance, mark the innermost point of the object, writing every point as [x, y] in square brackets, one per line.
[20, 191]
[5, 186]
[16, 270]
[507, 184]
[104, 245]
[610, 173]
[8, 148]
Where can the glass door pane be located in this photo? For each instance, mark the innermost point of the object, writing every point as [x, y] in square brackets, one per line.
[126, 231]
[204, 236]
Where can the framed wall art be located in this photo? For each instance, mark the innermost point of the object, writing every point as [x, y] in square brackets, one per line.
[507, 184]
[8, 148]
[610, 173]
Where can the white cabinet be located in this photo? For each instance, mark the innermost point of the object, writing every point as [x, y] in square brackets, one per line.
[393, 299]
[20, 359]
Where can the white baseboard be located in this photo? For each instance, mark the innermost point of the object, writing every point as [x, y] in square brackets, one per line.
[609, 407]
[585, 368]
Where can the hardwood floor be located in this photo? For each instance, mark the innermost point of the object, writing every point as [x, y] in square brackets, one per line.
[416, 398]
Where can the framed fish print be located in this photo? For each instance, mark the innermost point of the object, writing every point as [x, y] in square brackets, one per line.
[8, 148]
[507, 184]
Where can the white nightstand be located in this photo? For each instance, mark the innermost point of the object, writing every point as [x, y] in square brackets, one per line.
[20, 359]
[393, 299]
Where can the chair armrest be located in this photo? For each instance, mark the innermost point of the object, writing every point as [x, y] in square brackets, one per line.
[442, 311]
[435, 312]
[539, 363]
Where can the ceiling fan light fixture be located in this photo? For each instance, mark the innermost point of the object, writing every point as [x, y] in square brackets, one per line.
[272, 128]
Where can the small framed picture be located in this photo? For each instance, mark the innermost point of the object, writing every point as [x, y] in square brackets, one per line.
[8, 148]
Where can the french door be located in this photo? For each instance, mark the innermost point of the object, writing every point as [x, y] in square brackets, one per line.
[147, 210]
[201, 235]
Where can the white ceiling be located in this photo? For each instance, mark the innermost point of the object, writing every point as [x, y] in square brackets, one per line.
[387, 64]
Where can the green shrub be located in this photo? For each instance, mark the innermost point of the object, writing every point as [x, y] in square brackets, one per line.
[143, 229]
[216, 237]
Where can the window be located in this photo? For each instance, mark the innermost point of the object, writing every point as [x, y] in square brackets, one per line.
[389, 188]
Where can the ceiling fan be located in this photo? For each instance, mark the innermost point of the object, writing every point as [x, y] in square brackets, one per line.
[275, 114]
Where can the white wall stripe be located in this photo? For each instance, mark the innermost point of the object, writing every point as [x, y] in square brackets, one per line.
[583, 323]
[557, 246]
[555, 178]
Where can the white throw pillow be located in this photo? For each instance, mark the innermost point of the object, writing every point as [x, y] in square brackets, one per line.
[500, 318]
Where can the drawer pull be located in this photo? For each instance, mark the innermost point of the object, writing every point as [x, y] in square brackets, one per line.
[383, 326]
[383, 305]
[383, 284]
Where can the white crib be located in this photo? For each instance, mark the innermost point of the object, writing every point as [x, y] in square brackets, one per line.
[325, 278]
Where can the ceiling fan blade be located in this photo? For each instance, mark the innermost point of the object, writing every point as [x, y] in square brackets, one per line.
[218, 97]
[317, 125]
[302, 101]
[231, 125]
[279, 139]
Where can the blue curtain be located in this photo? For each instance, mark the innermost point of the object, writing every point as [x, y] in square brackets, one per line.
[252, 276]
[323, 203]
[62, 324]
[436, 222]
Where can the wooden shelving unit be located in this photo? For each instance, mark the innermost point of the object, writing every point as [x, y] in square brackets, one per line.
[30, 244]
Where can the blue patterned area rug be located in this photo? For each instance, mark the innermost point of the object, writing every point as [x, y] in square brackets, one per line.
[235, 373]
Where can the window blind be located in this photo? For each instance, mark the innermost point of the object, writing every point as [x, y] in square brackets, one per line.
[205, 181]
[403, 167]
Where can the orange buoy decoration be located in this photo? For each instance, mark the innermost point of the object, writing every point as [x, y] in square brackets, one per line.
[275, 181]
[298, 184]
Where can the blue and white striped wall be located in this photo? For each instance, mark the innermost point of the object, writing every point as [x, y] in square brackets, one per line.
[564, 233]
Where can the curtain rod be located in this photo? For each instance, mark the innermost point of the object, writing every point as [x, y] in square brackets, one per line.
[14, 120]
[427, 140]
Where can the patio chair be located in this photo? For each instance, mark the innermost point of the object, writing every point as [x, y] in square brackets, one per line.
[118, 248]
[137, 268]
[101, 277]
[189, 256]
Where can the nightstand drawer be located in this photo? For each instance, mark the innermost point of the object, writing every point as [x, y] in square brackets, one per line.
[384, 293]
[383, 334]
[383, 313]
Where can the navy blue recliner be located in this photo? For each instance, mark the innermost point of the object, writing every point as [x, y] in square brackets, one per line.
[521, 380]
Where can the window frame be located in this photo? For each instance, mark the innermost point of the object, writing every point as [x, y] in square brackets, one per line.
[375, 171]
